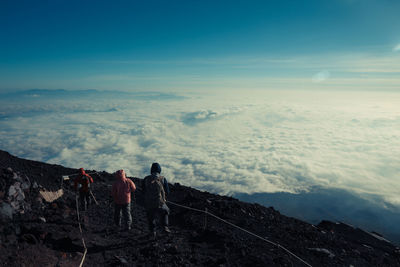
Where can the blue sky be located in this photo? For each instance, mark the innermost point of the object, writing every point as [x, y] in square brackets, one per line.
[183, 45]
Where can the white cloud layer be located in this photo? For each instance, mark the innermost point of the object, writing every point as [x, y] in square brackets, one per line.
[264, 142]
[396, 48]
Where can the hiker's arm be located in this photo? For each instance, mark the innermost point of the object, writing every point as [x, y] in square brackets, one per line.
[166, 187]
[133, 186]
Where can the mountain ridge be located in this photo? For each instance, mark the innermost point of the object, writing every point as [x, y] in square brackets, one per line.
[62, 94]
[47, 233]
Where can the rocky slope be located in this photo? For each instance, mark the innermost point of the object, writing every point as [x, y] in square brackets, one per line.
[34, 232]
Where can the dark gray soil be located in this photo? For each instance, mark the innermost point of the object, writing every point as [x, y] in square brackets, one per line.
[47, 234]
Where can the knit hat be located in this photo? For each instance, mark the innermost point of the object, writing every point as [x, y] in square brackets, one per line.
[155, 168]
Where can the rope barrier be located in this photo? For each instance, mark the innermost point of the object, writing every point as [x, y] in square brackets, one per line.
[91, 193]
[79, 219]
[240, 228]
[80, 229]
[189, 208]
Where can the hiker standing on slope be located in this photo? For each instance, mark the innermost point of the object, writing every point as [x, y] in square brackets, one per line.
[121, 192]
[83, 182]
[155, 188]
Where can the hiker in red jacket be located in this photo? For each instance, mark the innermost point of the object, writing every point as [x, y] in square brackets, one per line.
[121, 192]
[83, 182]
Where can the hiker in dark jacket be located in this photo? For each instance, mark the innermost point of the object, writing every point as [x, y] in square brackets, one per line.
[155, 188]
[121, 192]
[83, 181]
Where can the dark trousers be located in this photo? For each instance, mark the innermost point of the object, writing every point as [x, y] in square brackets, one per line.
[157, 214]
[84, 198]
[125, 209]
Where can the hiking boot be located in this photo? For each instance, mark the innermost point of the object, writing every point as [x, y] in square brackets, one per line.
[166, 229]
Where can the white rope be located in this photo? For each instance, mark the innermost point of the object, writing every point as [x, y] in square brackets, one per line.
[80, 229]
[91, 193]
[240, 228]
[80, 226]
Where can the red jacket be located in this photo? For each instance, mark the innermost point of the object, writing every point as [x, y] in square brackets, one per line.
[122, 188]
[83, 179]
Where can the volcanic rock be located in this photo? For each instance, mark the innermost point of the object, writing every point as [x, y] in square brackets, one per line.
[36, 232]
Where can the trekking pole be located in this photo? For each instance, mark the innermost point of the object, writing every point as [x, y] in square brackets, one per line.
[91, 193]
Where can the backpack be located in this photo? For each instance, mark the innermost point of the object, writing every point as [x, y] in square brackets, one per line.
[85, 180]
[155, 194]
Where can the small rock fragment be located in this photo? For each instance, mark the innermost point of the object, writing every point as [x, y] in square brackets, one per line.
[324, 251]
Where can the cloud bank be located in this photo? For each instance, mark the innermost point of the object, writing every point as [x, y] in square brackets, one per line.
[244, 142]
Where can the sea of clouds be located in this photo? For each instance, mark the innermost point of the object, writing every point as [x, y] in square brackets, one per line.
[225, 142]
[239, 142]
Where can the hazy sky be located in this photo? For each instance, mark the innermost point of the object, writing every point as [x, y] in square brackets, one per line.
[229, 96]
[187, 45]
